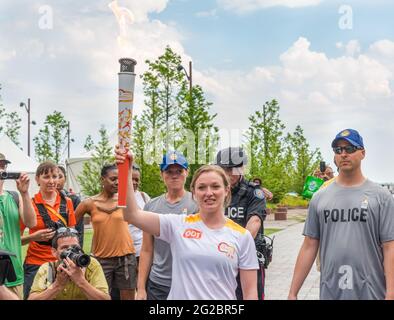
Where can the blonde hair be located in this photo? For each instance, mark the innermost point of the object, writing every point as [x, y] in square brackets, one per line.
[212, 168]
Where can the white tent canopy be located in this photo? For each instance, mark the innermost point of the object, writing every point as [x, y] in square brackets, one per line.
[74, 168]
[19, 162]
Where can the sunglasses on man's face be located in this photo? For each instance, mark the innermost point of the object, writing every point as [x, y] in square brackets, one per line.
[347, 149]
[63, 230]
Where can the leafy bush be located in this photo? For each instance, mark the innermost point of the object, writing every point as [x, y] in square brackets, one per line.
[291, 201]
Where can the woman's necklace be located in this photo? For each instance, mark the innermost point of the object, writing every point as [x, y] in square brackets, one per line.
[52, 200]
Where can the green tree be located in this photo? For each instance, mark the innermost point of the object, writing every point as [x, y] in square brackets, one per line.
[42, 148]
[199, 136]
[2, 114]
[13, 126]
[89, 143]
[305, 160]
[163, 81]
[153, 116]
[89, 179]
[265, 147]
[170, 117]
[151, 182]
[50, 140]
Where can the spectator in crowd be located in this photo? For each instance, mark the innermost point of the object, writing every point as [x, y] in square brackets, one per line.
[53, 210]
[208, 249]
[155, 271]
[74, 198]
[326, 175]
[112, 244]
[64, 279]
[352, 222]
[14, 207]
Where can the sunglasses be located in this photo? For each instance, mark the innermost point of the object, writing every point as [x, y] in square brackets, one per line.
[347, 149]
[64, 230]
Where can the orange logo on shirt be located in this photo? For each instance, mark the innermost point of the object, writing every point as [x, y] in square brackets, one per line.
[192, 234]
[227, 249]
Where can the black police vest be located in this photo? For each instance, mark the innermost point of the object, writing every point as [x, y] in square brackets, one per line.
[238, 207]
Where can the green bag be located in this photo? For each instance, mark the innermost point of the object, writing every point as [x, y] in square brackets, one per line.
[312, 184]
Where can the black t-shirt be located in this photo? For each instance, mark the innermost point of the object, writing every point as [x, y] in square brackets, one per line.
[247, 200]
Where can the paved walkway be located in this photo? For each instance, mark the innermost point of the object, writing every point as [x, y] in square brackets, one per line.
[280, 272]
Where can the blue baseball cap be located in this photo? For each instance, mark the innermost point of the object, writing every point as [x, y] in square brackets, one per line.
[173, 157]
[351, 136]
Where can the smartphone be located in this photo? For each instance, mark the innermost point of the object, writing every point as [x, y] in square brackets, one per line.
[6, 175]
[322, 166]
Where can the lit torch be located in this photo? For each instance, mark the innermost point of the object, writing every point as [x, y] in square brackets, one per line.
[126, 97]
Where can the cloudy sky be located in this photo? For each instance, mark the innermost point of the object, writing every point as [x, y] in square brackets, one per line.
[330, 64]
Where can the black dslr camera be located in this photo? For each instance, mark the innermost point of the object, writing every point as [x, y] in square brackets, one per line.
[7, 271]
[264, 248]
[76, 254]
[54, 225]
[7, 175]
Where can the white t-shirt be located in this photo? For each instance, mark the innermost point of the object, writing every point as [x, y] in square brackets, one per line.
[136, 233]
[206, 261]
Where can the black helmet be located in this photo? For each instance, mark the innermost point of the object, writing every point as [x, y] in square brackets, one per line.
[231, 157]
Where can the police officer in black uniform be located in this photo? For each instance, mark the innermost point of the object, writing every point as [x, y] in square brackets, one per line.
[247, 207]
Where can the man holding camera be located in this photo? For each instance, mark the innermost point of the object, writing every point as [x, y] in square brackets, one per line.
[14, 206]
[74, 276]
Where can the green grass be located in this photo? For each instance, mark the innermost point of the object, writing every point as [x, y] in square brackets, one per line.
[270, 231]
[87, 240]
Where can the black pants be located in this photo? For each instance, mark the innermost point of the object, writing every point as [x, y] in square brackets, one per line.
[30, 271]
[260, 285]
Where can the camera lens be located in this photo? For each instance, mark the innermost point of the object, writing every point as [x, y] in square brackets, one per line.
[83, 260]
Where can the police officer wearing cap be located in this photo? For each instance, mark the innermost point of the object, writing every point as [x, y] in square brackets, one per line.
[247, 207]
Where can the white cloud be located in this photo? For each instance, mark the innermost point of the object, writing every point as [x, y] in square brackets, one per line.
[73, 67]
[322, 94]
[384, 48]
[243, 6]
[352, 48]
[209, 13]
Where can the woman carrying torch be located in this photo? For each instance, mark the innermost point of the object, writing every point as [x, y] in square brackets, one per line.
[208, 249]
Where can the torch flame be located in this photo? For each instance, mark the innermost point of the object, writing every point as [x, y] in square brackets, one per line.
[124, 17]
